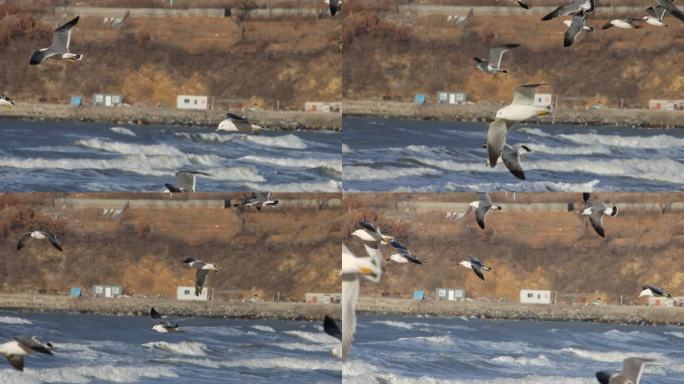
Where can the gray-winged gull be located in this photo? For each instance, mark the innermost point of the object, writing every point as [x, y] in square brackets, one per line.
[493, 64]
[203, 269]
[632, 369]
[572, 7]
[163, 325]
[595, 209]
[476, 265]
[60, 45]
[186, 181]
[39, 235]
[15, 350]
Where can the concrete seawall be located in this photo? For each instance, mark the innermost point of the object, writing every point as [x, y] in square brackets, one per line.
[137, 306]
[485, 113]
[513, 311]
[273, 120]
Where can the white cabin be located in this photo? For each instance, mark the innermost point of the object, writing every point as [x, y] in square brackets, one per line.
[531, 296]
[188, 293]
[192, 102]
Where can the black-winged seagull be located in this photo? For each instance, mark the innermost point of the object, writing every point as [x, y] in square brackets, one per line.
[511, 157]
[331, 328]
[476, 265]
[60, 45]
[186, 181]
[572, 7]
[632, 369]
[493, 65]
[5, 101]
[403, 255]
[482, 207]
[457, 20]
[649, 290]
[163, 326]
[15, 350]
[39, 235]
[521, 3]
[655, 15]
[595, 209]
[235, 123]
[258, 200]
[670, 7]
[202, 271]
[335, 6]
[575, 27]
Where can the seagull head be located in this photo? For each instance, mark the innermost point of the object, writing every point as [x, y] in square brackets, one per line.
[211, 267]
[497, 207]
[386, 239]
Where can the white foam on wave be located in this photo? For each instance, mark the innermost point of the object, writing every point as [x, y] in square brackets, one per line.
[212, 137]
[288, 141]
[263, 328]
[78, 352]
[130, 148]
[85, 374]
[286, 363]
[122, 131]
[655, 169]
[236, 174]
[611, 356]
[322, 186]
[623, 336]
[539, 361]
[360, 172]
[335, 164]
[140, 164]
[583, 150]
[14, 320]
[315, 337]
[640, 142]
[435, 340]
[183, 348]
[346, 148]
[395, 324]
[303, 347]
[530, 186]
[676, 334]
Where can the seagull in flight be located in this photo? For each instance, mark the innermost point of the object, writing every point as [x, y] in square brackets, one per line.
[15, 350]
[476, 265]
[39, 235]
[493, 64]
[632, 369]
[163, 326]
[258, 200]
[60, 46]
[202, 271]
[595, 209]
[186, 181]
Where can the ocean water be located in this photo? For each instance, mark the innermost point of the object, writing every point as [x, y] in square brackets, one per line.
[111, 349]
[412, 350]
[431, 156]
[76, 156]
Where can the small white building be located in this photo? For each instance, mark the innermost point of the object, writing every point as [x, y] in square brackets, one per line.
[543, 100]
[107, 100]
[104, 290]
[660, 302]
[192, 102]
[666, 105]
[322, 298]
[322, 106]
[531, 296]
[452, 97]
[450, 294]
[188, 293]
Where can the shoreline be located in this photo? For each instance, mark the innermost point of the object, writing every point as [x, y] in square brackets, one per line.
[611, 314]
[270, 120]
[484, 112]
[177, 308]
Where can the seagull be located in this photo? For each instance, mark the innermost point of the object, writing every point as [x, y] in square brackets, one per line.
[575, 27]
[331, 328]
[521, 3]
[60, 46]
[460, 20]
[335, 6]
[234, 123]
[627, 23]
[38, 235]
[670, 7]
[482, 207]
[573, 7]
[163, 326]
[595, 209]
[371, 237]
[493, 65]
[476, 265]
[352, 268]
[257, 200]
[15, 350]
[655, 16]
[632, 369]
[649, 290]
[5, 101]
[202, 271]
[186, 181]
[511, 157]
[403, 256]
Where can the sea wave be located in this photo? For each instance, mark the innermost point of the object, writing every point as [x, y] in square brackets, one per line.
[655, 169]
[315, 337]
[288, 141]
[263, 328]
[14, 320]
[322, 186]
[532, 186]
[335, 164]
[183, 348]
[640, 142]
[130, 148]
[140, 164]
[539, 361]
[122, 131]
[356, 172]
[611, 356]
[86, 374]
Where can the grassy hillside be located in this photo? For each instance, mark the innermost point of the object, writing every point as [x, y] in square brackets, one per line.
[535, 250]
[286, 250]
[391, 56]
[151, 60]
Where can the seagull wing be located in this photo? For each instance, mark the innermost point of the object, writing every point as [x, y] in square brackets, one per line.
[62, 36]
[201, 277]
[154, 314]
[524, 94]
[330, 327]
[670, 7]
[484, 198]
[477, 268]
[31, 343]
[633, 368]
[481, 215]
[496, 53]
[512, 161]
[659, 12]
[17, 362]
[350, 295]
[369, 226]
[596, 220]
[186, 180]
[572, 7]
[53, 240]
[496, 138]
[25, 239]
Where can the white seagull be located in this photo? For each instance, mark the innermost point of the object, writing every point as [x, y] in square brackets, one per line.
[352, 269]
[476, 265]
[595, 209]
[60, 46]
[572, 7]
[5, 101]
[482, 207]
[627, 23]
[649, 290]
[235, 123]
[15, 350]
[655, 16]
[202, 271]
[632, 369]
[186, 181]
[493, 65]
[39, 235]
[403, 255]
[257, 200]
[164, 326]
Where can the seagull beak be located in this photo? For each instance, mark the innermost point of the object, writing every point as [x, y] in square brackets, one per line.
[387, 239]
[542, 113]
[366, 271]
